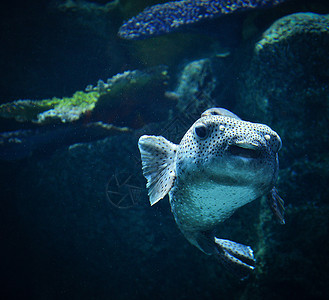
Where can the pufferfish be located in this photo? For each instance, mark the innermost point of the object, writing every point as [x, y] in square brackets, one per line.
[221, 164]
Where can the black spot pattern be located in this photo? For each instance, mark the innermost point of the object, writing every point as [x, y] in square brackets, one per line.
[221, 164]
[222, 131]
[194, 205]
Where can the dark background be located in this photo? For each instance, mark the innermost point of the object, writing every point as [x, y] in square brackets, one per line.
[44, 53]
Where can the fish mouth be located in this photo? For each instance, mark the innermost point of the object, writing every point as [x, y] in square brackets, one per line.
[244, 150]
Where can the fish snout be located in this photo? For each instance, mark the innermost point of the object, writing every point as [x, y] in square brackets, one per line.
[252, 144]
[273, 140]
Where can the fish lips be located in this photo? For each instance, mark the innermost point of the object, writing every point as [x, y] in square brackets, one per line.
[245, 150]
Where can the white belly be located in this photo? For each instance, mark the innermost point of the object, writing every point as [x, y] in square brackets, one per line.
[202, 206]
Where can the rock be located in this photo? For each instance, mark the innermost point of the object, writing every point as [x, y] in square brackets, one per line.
[121, 101]
[132, 99]
[284, 83]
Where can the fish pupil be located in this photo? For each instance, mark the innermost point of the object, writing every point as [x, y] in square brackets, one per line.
[201, 131]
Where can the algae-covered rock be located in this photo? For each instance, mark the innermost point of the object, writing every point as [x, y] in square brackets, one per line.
[25, 110]
[68, 109]
[134, 98]
[294, 27]
[122, 100]
[128, 100]
[284, 83]
[65, 109]
[291, 56]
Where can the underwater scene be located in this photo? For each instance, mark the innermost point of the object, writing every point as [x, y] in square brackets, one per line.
[155, 149]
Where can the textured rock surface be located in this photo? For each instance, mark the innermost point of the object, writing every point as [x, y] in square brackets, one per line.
[285, 84]
[287, 61]
[131, 99]
[168, 17]
[106, 102]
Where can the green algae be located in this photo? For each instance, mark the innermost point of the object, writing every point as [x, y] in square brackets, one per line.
[69, 109]
[38, 111]
[128, 89]
[294, 25]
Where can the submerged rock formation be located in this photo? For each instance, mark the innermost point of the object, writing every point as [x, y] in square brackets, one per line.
[290, 58]
[99, 103]
[129, 100]
[285, 84]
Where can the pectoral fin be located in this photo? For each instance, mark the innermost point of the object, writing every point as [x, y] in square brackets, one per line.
[276, 204]
[236, 257]
[158, 160]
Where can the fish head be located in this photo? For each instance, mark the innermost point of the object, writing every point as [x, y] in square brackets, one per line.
[229, 151]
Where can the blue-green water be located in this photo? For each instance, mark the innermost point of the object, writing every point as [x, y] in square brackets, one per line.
[75, 216]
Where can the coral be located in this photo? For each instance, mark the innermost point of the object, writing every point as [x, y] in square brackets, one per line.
[168, 17]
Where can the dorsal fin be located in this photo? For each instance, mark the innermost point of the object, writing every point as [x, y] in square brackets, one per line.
[218, 111]
[158, 160]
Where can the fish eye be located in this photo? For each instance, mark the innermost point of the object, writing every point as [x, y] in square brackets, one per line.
[201, 131]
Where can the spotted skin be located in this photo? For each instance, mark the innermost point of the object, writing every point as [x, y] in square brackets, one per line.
[221, 164]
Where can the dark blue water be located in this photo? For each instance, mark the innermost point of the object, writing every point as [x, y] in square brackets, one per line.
[75, 216]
